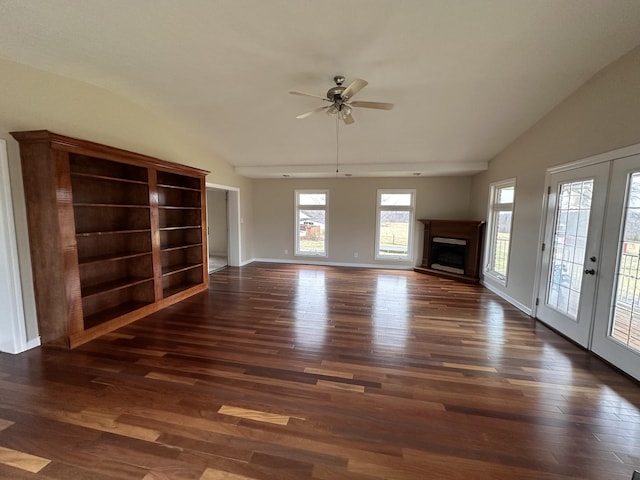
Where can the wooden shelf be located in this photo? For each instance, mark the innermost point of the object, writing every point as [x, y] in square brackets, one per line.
[110, 258]
[178, 187]
[113, 232]
[100, 221]
[107, 178]
[110, 205]
[169, 292]
[180, 227]
[112, 313]
[174, 207]
[173, 269]
[112, 285]
[96, 165]
[180, 247]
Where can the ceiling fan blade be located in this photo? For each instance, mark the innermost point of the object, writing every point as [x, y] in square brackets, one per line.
[348, 119]
[308, 114]
[303, 94]
[376, 105]
[353, 88]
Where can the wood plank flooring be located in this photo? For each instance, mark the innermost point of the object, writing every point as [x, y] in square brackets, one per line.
[295, 372]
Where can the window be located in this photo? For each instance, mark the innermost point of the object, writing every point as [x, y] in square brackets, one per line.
[311, 222]
[394, 228]
[499, 229]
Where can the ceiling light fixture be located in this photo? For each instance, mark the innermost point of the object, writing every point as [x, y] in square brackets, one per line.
[341, 105]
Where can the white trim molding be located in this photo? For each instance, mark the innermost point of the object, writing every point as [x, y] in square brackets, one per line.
[234, 223]
[13, 335]
[599, 158]
[520, 306]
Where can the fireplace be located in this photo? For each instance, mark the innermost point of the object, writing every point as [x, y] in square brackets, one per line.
[452, 248]
[448, 254]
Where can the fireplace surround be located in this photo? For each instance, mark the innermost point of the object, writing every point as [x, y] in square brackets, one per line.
[453, 249]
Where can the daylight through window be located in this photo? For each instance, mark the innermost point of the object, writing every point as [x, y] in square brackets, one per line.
[499, 231]
[394, 232]
[311, 221]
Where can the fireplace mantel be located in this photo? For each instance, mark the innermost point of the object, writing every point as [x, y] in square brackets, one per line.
[457, 244]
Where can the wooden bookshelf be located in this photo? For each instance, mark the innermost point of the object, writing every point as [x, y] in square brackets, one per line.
[114, 235]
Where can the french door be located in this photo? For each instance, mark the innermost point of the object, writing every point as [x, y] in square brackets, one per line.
[616, 333]
[570, 259]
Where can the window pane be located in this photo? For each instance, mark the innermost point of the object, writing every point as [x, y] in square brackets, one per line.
[394, 233]
[312, 199]
[505, 195]
[395, 199]
[569, 241]
[626, 314]
[499, 229]
[502, 239]
[311, 231]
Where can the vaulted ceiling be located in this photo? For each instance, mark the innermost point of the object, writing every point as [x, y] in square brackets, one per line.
[467, 77]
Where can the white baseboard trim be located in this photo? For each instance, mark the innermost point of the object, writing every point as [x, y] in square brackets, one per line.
[33, 343]
[332, 264]
[21, 346]
[506, 297]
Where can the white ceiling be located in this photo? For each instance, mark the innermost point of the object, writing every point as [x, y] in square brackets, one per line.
[466, 76]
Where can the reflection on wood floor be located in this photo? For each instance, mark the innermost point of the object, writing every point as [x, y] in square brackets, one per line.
[298, 372]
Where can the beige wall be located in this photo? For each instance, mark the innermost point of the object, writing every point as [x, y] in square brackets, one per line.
[602, 115]
[352, 214]
[32, 99]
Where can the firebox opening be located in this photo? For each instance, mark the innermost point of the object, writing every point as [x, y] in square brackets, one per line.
[448, 254]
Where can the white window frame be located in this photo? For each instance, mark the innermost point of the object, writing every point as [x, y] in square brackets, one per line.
[409, 208]
[299, 207]
[493, 210]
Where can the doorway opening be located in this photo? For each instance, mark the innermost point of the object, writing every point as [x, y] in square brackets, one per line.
[217, 229]
[223, 226]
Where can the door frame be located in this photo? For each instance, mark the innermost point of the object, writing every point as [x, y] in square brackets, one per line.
[13, 334]
[234, 220]
[580, 329]
[622, 357]
[592, 160]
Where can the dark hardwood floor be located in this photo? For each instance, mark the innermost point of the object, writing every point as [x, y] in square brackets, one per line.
[303, 372]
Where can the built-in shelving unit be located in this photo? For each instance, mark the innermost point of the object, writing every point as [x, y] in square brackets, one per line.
[121, 233]
[180, 216]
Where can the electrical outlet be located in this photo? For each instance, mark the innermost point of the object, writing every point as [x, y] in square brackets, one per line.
[286, 252]
[355, 255]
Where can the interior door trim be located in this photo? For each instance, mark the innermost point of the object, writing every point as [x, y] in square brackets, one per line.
[619, 153]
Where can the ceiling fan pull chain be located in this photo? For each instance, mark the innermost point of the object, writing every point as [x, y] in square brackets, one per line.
[337, 143]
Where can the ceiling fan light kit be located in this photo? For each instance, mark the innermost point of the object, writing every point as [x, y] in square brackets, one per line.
[339, 98]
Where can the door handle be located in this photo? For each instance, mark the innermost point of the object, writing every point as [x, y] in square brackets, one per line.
[590, 271]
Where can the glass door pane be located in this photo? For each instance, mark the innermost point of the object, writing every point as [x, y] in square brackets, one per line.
[568, 249]
[625, 325]
[616, 328]
[569, 262]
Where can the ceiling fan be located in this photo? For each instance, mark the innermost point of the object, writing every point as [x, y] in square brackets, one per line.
[340, 97]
